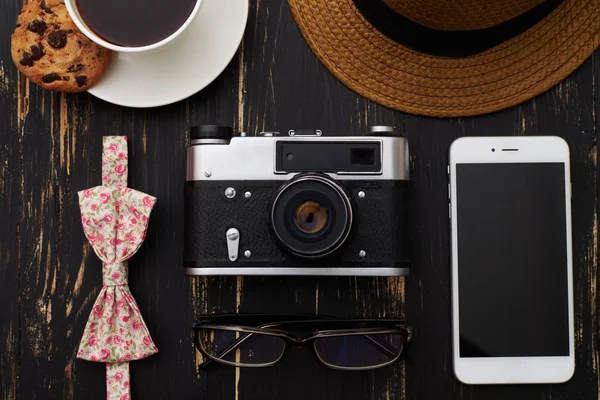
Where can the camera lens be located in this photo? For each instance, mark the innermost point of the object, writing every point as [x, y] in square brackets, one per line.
[311, 215]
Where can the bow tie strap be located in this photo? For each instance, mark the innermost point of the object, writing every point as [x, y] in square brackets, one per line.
[117, 381]
[114, 161]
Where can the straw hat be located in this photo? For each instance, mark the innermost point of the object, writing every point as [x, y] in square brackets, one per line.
[449, 58]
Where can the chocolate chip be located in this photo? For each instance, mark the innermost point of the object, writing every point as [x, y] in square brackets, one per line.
[81, 80]
[75, 68]
[45, 7]
[51, 77]
[27, 60]
[57, 39]
[37, 52]
[37, 26]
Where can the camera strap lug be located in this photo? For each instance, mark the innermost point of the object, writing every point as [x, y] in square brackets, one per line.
[233, 243]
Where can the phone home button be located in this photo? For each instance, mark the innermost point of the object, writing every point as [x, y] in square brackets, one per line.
[514, 371]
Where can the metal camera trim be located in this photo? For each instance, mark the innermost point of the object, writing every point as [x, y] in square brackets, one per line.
[298, 271]
[327, 140]
[332, 184]
[232, 161]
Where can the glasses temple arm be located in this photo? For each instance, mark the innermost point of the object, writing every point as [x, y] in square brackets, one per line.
[381, 345]
[231, 347]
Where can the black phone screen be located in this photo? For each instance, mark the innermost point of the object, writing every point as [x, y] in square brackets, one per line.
[512, 260]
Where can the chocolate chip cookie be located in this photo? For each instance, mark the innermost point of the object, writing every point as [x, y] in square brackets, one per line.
[51, 51]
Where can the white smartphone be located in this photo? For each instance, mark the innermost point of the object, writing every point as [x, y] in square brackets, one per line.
[512, 277]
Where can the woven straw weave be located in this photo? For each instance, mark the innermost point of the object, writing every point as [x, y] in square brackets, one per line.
[401, 78]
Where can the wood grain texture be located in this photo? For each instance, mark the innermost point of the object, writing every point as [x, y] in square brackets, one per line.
[10, 211]
[51, 148]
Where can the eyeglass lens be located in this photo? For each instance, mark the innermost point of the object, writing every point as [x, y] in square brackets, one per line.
[359, 351]
[250, 349]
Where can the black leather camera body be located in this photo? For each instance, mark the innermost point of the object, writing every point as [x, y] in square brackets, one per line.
[299, 204]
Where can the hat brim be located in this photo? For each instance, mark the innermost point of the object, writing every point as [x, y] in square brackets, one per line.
[401, 78]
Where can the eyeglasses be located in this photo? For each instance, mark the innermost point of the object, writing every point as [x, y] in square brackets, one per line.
[260, 340]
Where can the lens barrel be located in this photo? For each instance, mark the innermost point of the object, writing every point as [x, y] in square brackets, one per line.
[311, 215]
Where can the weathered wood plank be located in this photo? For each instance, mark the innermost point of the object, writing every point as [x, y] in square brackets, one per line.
[10, 211]
[594, 282]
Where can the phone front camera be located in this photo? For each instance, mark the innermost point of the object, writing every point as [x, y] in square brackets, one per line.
[493, 150]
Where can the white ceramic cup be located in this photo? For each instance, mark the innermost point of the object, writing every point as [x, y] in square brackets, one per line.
[74, 13]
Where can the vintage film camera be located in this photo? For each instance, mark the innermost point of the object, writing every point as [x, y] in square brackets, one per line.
[296, 204]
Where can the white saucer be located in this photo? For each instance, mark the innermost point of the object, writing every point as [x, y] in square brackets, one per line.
[181, 68]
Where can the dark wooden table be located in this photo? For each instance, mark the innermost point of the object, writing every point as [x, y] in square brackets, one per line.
[51, 147]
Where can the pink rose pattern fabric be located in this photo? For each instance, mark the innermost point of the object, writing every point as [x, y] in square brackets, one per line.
[117, 381]
[114, 161]
[115, 220]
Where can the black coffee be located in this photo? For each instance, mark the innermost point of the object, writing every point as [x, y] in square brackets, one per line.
[135, 23]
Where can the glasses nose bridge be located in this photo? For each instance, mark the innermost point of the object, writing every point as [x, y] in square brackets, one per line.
[299, 340]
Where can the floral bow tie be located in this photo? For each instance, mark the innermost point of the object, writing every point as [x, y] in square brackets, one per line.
[115, 220]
